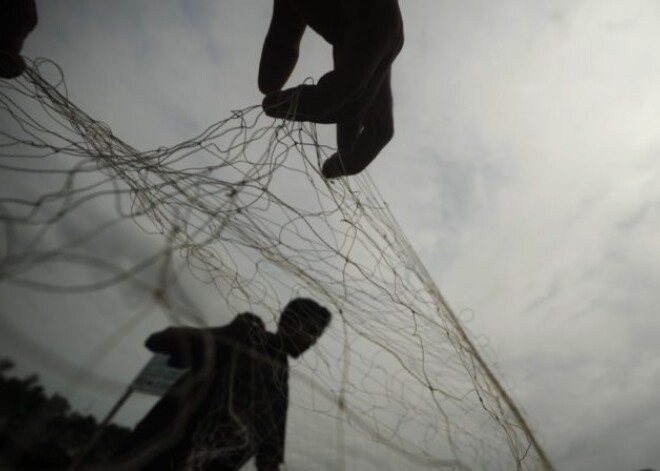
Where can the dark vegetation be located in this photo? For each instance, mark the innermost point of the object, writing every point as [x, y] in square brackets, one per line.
[40, 431]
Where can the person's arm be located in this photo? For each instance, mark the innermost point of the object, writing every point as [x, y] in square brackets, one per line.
[280, 52]
[186, 346]
[373, 39]
[191, 347]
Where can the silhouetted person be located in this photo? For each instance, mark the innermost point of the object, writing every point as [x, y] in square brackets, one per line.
[232, 403]
[17, 19]
[366, 36]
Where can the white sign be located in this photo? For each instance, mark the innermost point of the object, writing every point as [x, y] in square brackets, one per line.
[156, 377]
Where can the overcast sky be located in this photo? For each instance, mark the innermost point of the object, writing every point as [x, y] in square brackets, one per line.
[524, 170]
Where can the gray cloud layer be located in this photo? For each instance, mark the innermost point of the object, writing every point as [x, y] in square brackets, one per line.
[528, 134]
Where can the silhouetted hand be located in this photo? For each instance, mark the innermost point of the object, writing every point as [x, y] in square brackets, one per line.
[366, 35]
[17, 19]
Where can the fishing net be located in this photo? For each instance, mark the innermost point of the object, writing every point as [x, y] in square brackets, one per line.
[239, 218]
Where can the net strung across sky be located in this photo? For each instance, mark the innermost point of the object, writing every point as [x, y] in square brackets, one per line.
[242, 210]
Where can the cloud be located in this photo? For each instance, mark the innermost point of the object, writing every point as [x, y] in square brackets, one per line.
[556, 254]
[524, 169]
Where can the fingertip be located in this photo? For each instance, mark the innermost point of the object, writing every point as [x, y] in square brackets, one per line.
[270, 104]
[11, 66]
[333, 167]
[267, 102]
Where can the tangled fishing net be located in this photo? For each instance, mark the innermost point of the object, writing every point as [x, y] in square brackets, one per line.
[241, 213]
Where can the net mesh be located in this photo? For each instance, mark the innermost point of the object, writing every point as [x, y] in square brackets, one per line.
[241, 213]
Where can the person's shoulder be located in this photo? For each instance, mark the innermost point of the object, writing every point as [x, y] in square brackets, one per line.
[359, 4]
[366, 9]
[246, 328]
[243, 321]
[249, 320]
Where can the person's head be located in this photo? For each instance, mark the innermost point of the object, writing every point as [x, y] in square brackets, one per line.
[301, 324]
